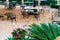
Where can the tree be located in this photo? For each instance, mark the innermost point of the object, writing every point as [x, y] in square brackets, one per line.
[2, 0]
[54, 2]
[49, 2]
[19, 1]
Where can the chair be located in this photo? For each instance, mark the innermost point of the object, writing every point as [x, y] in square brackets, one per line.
[10, 16]
[23, 13]
[37, 14]
[10, 6]
[13, 17]
[34, 12]
[1, 16]
[58, 22]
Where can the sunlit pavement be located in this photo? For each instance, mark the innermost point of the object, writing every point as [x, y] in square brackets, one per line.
[6, 27]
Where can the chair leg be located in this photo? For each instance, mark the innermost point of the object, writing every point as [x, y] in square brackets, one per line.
[15, 19]
[7, 18]
[23, 14]
[11, 20]
[2, 18]
[37, 17]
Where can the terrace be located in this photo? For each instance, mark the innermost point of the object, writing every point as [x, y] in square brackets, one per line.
[20, 21]
[7, 26]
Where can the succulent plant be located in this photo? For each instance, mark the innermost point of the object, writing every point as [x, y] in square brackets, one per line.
[18, 33]
[44, 31]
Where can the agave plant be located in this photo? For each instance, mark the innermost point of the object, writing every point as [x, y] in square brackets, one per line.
[11, 38]
[18, 33]
[44, 31]
[23, 38]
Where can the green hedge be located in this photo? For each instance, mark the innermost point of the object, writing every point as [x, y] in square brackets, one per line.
[48, 3]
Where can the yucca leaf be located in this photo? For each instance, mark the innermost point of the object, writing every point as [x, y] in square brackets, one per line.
[56, 28]
[47, 28]
[37, 33]
[59, 30]
[52, 29]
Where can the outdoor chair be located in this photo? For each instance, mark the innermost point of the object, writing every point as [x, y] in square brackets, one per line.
[23, 6]
[10, 16]
[30, 12]
[37, 15]
[14, 5]
[23, 13]
[13, 17]
[58, 22]
[1, 16]
[10, 6]
[33, 12]
[6, 6]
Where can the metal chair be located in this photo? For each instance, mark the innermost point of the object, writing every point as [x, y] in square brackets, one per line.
[13, 17]
[58, 22]
[37, 14]
[1, 16]
[10, 16]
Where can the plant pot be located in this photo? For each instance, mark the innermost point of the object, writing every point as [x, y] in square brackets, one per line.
[58, 38]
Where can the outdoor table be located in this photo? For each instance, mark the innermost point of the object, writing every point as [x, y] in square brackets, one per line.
[58, 22]
[31, 12]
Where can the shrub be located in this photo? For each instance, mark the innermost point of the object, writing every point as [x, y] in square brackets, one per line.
[44, 31]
